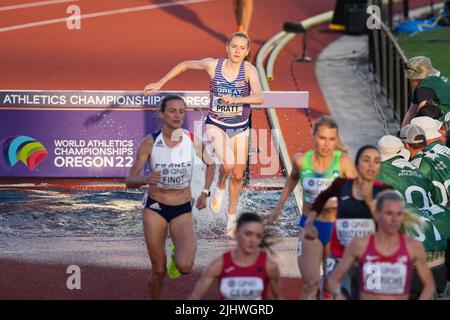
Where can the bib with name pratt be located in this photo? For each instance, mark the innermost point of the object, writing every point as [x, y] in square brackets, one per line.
[227, 114]
[176, 163]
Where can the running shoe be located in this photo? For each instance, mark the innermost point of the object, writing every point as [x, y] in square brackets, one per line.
[172, 270]
[216, 200]
[231, 225]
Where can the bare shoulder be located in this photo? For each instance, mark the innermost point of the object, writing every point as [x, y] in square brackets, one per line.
[249, 67]
[298, 159]
[349, 169]
[358, 246]
[210, 62]
[147, 142]
[345, 159]
[414, 246]
[215, 267]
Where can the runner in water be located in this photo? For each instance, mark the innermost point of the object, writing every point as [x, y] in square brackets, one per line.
[316, 169]
[386, 258]
[234, 86]
[168, 199]
[246, 272]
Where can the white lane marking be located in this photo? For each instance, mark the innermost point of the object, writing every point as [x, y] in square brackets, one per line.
[102, 14]
[33, 4]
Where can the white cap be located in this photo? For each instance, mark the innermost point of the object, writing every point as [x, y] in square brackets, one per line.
[429, 125]
[391, 147]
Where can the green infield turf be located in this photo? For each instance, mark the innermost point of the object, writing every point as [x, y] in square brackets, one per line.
[434, 44]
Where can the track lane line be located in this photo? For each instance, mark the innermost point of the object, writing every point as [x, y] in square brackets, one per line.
[34, 4]
[101, 14]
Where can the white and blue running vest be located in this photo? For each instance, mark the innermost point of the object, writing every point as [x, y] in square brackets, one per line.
[223, 114]
[175, 163]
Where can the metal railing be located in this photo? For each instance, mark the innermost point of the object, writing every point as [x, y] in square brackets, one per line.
[388, 64]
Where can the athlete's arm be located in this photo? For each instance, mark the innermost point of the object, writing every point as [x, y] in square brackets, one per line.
[273, 272]
[256, 96]
[348, 168]
[411, 113]
[417, 253]
[211, 273]
[134, 179]
[333, 191]
[351, 253]
[202, 153]
[290, 184]
[204, 64]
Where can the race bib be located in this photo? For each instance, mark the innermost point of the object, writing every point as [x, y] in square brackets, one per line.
[312, 187]
[349, 229]
[384, 277]
[225, 110]
[242, 288]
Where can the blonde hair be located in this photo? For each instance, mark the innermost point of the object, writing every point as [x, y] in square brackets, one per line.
[411, 219]
[328, 121]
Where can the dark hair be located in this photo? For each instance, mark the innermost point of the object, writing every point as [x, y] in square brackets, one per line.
[249, 216]
[419, 145]
[387, 195]
[170, 97]
[361, 151]
[431, 110]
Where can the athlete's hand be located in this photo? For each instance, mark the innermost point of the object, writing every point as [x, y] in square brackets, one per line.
[201, 201]
[310, 230]
[228, 99]
[152, 87]
[154, 178]
[273, 216]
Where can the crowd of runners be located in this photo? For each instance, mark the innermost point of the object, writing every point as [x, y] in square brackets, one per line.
[373, 228]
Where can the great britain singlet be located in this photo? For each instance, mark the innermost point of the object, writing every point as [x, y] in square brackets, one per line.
[243, 283]
[175, 164]
[385, 275]
[313, 183]
[223, 114]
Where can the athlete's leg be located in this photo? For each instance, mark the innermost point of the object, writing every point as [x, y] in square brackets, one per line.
[221, 144]
[222, 148]
[243, 12]
[183, 237]
[309, 264]
[239, 143]
[155, 230]
[326, 251]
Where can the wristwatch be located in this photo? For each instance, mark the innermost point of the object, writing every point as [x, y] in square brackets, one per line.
[207, 192]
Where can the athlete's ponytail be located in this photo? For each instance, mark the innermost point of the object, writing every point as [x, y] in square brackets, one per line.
[249, 216]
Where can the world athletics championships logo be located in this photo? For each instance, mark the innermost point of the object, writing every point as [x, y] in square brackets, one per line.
[22, 148]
